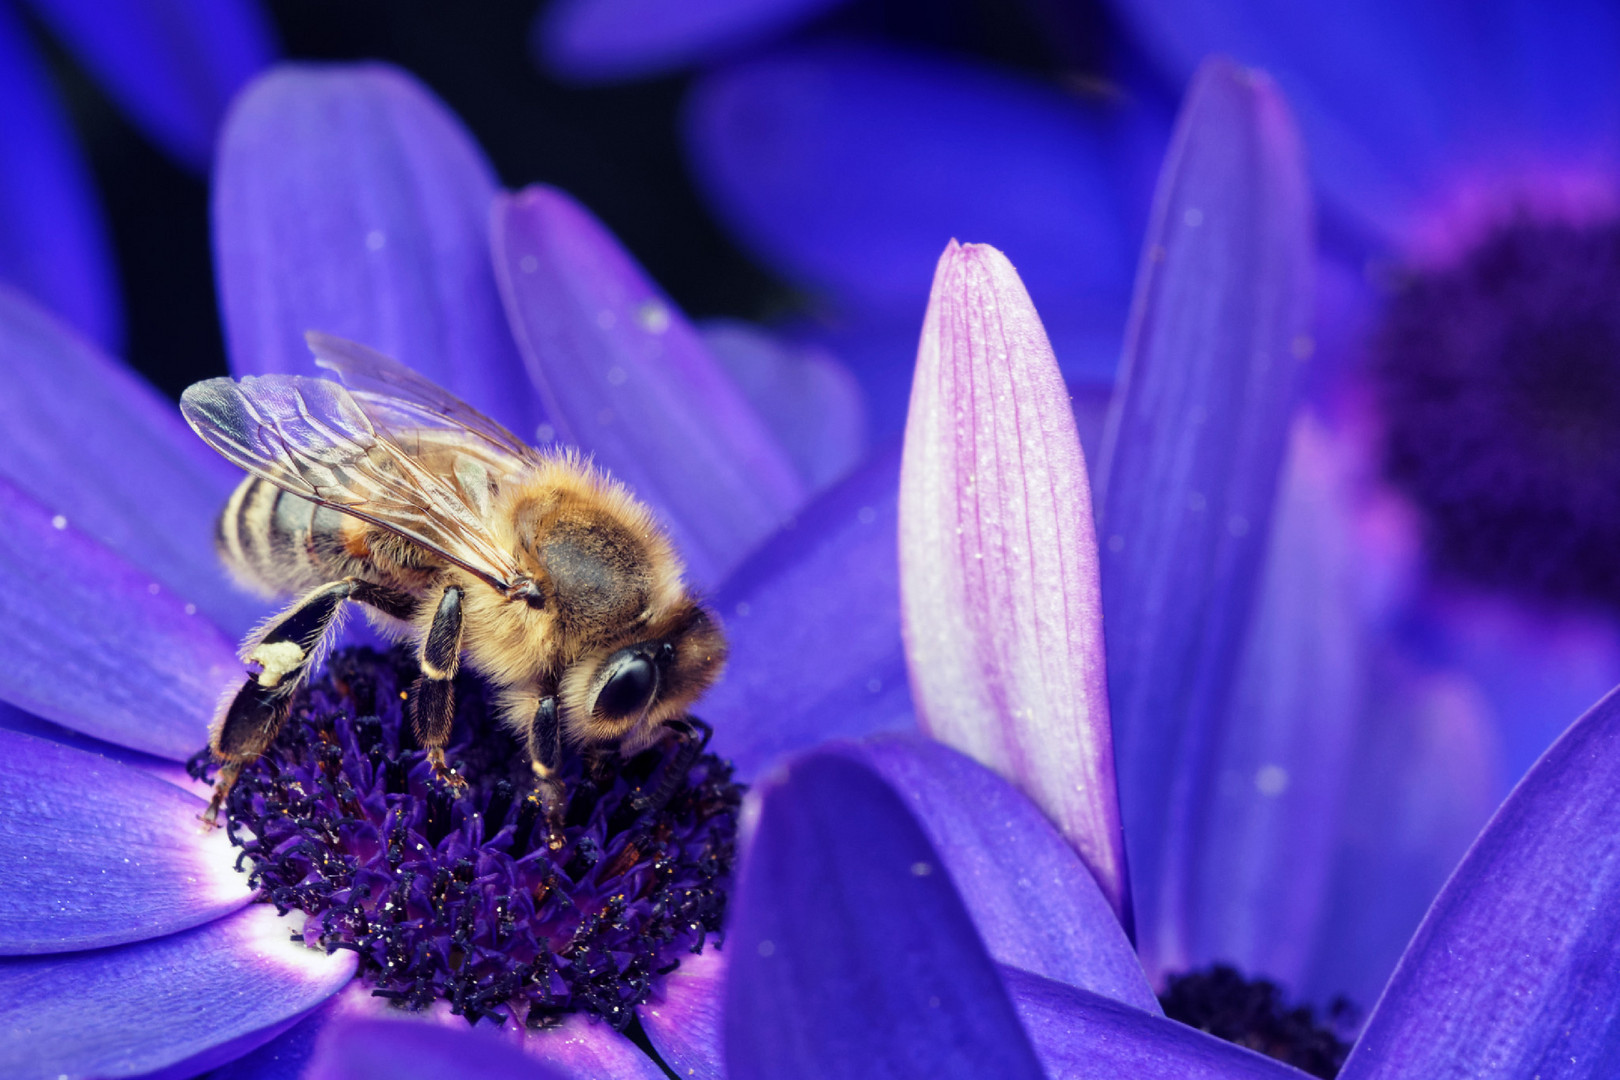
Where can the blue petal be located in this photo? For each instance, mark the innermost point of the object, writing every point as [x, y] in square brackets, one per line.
[1083, 1036]
[1033, 901]
[603, 40]
[174, 64]
[165, 769]
[1190, 467]
[97, 646]
[627, 378]
[349, 200]
[95, 443]
[285, 1056]
[1516, 969]
[850, 953]
[98, 853]
[684, 1022]
[413, 1050]
[814, 623]
[584, 1048]
[849, 168]
[53, 241]
[188, 997]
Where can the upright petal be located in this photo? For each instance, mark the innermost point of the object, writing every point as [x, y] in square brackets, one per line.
[348, 199]
[53, 238]
[97, 646]
[199, 997]
[89, 439]
[850, 953]
[1516, 969]
[1191, 462]
[998, 559]
[174, 64]
[626, 377]
[403, 1049]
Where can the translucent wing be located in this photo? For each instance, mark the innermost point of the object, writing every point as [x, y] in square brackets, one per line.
[316, 439]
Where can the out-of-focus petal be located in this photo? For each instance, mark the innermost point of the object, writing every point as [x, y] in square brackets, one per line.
[626, 377]
[403, 1049]
[53, 239]
[998, 559]
[1516, 969]
[97, 853]
[174, 64]
[1191, 462]
[814, 623]
[348, 199]
[604, 40]
[1084, 1036]
[850, 954]
[91, 440]
[811, 402]
[1033, 901]
[1271, 825]
[684, 1022]
[188, 997]
[97, 646]
[847, 166]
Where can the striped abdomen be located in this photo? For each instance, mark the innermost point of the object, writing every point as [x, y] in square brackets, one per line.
[276, 542]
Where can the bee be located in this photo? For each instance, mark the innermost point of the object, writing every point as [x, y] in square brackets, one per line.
[540, 571]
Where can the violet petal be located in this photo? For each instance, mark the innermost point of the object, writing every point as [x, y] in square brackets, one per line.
[287, 1055]
[584, 1048]
[94, 442]
[811, 402]
[625, 377]
[998, 559]
[166, 769]
[172, 64]
[1084, 1036]
[97, 853]
[684, 1023]
[348, 199]
[1191, 462]
[813, 618]
[850, 954]
[604, 40]
[138, 1008]
[1516, 969]
[403, 1049]
[1033, 901]
[97, 646]
[53, 238]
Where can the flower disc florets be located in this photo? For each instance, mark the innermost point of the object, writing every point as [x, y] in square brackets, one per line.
[461, 898]
[1252, 1013]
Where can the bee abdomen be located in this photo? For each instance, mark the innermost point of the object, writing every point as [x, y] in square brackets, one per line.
[278, 542]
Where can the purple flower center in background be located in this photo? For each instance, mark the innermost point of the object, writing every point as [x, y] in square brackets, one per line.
[462, 899]
[1252, 1013]
[1499, 380]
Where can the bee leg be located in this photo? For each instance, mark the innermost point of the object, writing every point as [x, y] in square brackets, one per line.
[545, 756]
[433, 701]
[694, 736]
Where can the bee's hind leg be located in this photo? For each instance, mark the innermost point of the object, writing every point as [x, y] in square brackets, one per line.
[545, 755]
[433, 701]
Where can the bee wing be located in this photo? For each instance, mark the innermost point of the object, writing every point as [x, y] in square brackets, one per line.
[314, 438]
[392, 392]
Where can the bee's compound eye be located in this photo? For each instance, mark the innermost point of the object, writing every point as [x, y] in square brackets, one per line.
[631, 683]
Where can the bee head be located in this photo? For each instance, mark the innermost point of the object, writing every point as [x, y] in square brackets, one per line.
[644, 683]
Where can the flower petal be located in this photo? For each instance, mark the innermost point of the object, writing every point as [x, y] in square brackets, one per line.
[584, 1048]
[850, 953]
[846, 166]
[813, 619]
[684, 1024]
[1033, 901]
[173, 64]
[811, 402]
[139, 1008]
[1516, 969]
[363, 1049]
[625, 376]
[348, 199]
[604, 40]
[166, 769]
[286, 1056]
[1190, 466]
[98, 853]
[998, 559]
[53, 239]
[1084, 1036]
[97, 646]
[94, 442]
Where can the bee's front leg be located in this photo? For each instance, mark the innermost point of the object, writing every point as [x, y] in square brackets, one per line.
[433, 700]
[694, 736]
[545, 756]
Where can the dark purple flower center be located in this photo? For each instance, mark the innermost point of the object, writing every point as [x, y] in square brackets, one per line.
[1499, 384]
[1252, 1013]
[462, 899]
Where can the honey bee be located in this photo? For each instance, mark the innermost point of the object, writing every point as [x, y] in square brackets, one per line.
[542, 572]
